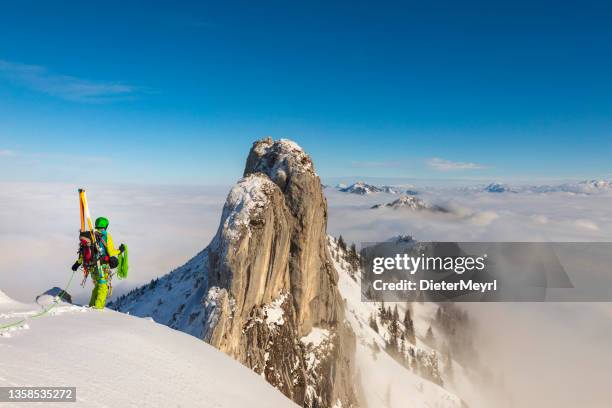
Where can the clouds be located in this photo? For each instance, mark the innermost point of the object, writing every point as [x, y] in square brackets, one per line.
[163, 226]
[70, 88]
[7, 153]
[515, 341]
[439, 164]
[475, 216]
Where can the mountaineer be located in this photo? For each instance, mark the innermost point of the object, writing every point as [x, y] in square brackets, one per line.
[98, 255]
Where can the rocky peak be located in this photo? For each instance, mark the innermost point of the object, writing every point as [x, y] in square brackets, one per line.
[271, 279]
[266, 283]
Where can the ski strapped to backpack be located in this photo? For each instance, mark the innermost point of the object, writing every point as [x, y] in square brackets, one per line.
[89, 248]
[93, 246]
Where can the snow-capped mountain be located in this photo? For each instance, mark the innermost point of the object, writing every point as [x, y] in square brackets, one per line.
[273, 291]
[264, 291]
[406, 202]
[117, 360]
[497, 188]
[582, 187]
[362, 188]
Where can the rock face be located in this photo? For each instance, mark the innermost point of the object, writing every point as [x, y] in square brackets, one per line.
[266, 283]
[271, 279]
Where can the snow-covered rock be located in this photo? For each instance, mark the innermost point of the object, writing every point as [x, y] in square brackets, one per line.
[413, 203]
[497, 188]
[362, 188]
[587, 187]
[265, 281]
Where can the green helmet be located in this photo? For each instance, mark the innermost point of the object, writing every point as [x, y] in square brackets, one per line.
[101, 222]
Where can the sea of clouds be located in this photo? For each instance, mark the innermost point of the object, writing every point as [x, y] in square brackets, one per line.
[540, 354]
[533, 348]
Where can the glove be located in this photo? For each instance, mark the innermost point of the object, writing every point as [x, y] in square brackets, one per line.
[76, 266]
[121, 248]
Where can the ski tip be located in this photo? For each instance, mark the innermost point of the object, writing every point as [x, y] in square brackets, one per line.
[81, 190]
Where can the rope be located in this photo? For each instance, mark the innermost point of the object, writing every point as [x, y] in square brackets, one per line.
[44, 311]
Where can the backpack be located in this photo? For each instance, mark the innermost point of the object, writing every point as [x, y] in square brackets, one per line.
[89, 251]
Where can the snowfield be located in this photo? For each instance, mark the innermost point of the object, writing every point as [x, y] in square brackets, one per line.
[117, 360]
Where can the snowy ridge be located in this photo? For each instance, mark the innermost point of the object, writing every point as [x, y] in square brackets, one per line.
[587, 187]
[7, 303]
[140, 363]
[362, 188]
[174, 299]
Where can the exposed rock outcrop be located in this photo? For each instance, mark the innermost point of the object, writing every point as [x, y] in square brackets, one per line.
[266, 283]
[269, 257]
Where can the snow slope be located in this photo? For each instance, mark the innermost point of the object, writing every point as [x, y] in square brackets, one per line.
[385, 382]
[117, 360]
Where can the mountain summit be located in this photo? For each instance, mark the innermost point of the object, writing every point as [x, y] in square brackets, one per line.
[265, 290]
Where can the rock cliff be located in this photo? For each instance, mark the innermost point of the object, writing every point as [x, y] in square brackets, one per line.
[265, 290]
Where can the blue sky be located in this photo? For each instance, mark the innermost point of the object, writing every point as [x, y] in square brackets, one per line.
[144, 92]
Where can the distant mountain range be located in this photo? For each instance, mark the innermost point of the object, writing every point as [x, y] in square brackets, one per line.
[362, 188]
[406, 202]
[581, 187]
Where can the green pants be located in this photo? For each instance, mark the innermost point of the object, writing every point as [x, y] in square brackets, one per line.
[100, 290]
